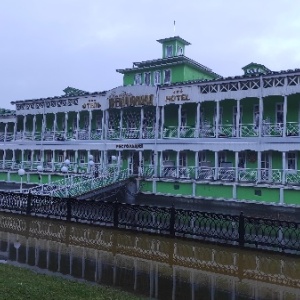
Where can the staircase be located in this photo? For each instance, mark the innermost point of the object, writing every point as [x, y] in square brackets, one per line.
[76, 185]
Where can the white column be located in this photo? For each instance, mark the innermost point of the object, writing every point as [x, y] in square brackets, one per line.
[15, 127]
[22, 157]
[217, 118]
[66, 125]
[283, 167]
[179, 120]
[142, 123]
[90, 123]
[155, 163]
[198, 111]
[24, 125]
[162, 121]
[196, 164]
[5, 132]
[77, 124]
[76, 161]
[236, 154]
[33, 126]
[284, 115]
[4, 157]
[53, 159]
[106, 114]
[177, 163]
[160, 163]
[140, 171]
[238, 116]
[261, 108]
[103, 127]
[259, 166]
[216, 165]
[121, 123]
[54, 126]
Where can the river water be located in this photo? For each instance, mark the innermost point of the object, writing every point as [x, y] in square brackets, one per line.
[147, 265]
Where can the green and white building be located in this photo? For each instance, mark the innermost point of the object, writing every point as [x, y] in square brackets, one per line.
[182, 129]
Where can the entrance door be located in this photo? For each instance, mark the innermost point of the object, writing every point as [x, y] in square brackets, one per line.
[133, 163]
[266, 166]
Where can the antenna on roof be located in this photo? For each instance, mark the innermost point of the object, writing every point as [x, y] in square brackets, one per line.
[174, 27]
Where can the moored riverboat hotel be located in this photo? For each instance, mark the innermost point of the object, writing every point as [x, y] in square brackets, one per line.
[179, 127]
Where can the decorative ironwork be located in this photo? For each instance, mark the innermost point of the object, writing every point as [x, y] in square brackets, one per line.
[276, 235]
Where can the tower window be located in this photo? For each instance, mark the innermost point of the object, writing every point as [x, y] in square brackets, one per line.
[138, 79]
[167, 76]
[169, 51]
[147, 78]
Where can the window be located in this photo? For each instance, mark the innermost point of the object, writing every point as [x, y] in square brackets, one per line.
[201, 157]
[180, 51]
[60, 157]
[222, 157]
[291, 160]
[147, 78]
[166, 156]
[279, 113]
[169, 51]
[167, 76]
[182, 159]
[86, 122]
[157, 77]
[138, 79]
[74, 125]
[98, 122]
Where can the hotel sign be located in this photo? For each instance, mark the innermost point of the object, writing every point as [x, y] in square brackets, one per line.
[178, 95]
[91, 104]
[126, 100]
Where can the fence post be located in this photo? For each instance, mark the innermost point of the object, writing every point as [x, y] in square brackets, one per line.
[172, 220]
[69, 208]
[241, 229]
[28, 208]
[116, 214]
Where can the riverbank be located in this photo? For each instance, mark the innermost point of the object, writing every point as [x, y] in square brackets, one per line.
[18, 283]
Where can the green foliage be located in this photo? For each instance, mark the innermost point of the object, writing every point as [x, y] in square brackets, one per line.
[17, 283]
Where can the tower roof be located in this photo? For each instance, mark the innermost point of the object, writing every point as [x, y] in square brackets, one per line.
[174, 38]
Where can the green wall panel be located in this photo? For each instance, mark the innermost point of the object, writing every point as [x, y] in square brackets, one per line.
[3, 176]
[215, 191]
[292, 197]
[174, 188]
[146, 186]
[258, 194]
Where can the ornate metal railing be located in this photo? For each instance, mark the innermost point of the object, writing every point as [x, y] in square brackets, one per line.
[292, 129]
[130, 133]
[227, 130]
[272, 129]
[248, 130]
[170, 132]
[148, 133]
[75, 185]
[239, 230]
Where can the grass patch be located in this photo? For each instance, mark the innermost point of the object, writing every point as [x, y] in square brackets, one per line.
[18, 283]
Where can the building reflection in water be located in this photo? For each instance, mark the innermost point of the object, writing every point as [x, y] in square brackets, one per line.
[152, 266]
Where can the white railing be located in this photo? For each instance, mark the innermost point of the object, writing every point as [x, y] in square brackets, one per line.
[292, 129]
[130, 133]
[227, 130]
[75, 185]
[271, 129]
[248, 130]
[170, 132]
[247, 175]
[148, 133]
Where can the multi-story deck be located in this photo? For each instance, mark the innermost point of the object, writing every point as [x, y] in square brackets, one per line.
[181, 128]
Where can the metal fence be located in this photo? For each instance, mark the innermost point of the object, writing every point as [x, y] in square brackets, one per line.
[239, 230]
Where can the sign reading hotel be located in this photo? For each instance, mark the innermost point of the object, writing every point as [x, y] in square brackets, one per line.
[177, 95]
[91, 104]
[125, 100]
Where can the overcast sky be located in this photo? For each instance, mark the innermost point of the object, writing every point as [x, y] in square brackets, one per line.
[47, 45]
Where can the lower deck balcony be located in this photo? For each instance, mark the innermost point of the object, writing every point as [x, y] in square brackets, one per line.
[239, 175]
